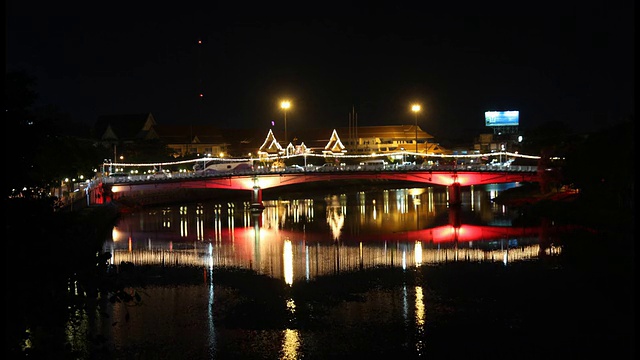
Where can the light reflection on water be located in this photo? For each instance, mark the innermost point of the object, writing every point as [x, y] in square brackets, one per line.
[303, 238]
[298, 240]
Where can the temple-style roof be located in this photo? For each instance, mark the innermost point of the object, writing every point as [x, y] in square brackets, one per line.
[334, 146]
[126, 127]
[190, 134]
[270, 146]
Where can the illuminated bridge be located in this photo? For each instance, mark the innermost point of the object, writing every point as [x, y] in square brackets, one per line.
[256, 179]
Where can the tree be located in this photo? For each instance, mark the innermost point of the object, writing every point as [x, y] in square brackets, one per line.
[55, 147]
[20, 97]
[603, 166]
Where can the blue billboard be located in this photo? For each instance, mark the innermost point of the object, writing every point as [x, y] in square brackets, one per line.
[502, 118]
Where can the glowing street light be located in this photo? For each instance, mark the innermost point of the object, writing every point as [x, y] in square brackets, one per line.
[285, 105]
[416, 108]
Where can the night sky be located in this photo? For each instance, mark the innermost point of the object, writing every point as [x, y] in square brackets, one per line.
[572, 63]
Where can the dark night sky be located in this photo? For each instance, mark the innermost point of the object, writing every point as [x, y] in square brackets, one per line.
[574, 64]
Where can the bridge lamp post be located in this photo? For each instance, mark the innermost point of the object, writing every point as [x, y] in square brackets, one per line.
[416, 108]
[285, 105]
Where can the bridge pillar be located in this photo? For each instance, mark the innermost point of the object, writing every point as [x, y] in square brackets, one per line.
[101, 194]
[454, 194]
[256, 199]
[454, 217]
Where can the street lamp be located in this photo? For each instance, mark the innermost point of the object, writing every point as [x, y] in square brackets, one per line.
[285, 105]
[416, 108]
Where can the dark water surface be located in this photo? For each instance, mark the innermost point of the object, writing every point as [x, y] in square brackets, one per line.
[390, 273]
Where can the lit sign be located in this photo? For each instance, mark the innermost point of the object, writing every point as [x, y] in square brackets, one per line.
[501, 118]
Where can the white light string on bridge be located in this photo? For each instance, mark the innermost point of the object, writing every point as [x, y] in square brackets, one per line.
[341, 156]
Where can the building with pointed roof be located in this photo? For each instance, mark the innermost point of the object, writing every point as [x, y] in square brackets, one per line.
[125, 128]
[270, 147]
[334, 147]
[202, 140]
[193, 140]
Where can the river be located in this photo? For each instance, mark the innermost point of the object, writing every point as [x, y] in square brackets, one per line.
[384, 273]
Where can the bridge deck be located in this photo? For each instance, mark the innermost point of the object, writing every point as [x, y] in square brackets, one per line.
[266, 180]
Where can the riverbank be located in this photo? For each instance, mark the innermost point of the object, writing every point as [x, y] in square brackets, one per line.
[530, 194]
[568, 206]
[46, 253]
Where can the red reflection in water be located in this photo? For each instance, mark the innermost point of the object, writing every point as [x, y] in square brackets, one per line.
[440, 234]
